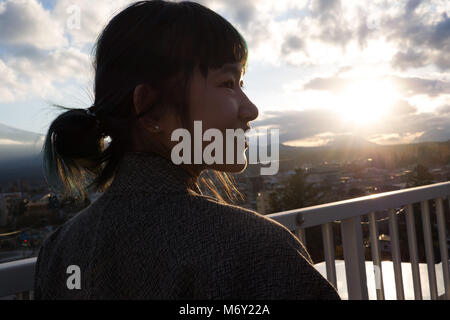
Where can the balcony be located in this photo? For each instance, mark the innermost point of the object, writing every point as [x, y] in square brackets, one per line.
[354, 277]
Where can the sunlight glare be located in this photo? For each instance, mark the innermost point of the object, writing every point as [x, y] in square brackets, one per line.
[367, 100]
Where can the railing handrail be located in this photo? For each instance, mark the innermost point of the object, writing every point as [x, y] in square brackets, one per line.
[339, 210]
[17, 276]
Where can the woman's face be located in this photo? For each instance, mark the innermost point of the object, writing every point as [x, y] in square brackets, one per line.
[216, 102]
[219, 103]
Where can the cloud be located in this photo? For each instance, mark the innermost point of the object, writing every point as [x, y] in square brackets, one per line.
[333, 84]
[41, 55]
[402, 107]
[28, 23]
[8, 83]
[410, 86]
[296, 125]
[443, 109]
[410, 58]
[334, 28]
[292, 43]
[422, 37]
[411, 6]
[396, 138]
[88, 19]
[320, 126]
[407, 86]
[35, 53]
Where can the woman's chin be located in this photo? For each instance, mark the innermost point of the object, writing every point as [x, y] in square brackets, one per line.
[232, 168]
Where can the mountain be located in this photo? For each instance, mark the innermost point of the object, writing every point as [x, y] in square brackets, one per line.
[20, 155]
[350, 141]
[16, 143]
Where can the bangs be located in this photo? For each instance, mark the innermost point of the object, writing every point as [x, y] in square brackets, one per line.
[200, 36]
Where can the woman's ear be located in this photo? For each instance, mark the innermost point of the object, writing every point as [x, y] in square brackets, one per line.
[144, 96]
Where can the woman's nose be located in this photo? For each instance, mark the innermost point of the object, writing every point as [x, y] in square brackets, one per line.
[248, 111]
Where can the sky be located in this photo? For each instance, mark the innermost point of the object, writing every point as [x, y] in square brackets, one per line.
[319, 70]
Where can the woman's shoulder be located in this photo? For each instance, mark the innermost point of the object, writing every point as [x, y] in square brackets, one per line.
[246, 225]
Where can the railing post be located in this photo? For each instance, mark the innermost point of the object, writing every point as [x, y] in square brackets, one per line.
[443, 245]
[376, 256]
[429, 250]
[328, 247]
[355, 266]
[396, 256]
[300, 233]
[413, 255]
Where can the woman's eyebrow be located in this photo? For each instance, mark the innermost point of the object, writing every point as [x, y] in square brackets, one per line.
[231, 69]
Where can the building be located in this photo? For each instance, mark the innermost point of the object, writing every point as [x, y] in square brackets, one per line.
[385, 243]
[263, 202]
[4, 214]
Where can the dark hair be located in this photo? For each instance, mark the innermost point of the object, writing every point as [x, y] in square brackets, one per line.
[155, 42]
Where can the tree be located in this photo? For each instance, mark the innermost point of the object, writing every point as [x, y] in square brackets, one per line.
[420, 176]
[296, 193]
[355, 192]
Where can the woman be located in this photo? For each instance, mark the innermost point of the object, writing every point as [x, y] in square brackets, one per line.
[160, 66]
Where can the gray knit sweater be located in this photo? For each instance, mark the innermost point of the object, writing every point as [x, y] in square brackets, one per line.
[152, 235]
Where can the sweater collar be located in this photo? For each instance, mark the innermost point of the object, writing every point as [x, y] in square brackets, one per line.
[140, 172]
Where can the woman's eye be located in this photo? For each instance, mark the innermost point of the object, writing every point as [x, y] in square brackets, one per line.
[229, 84]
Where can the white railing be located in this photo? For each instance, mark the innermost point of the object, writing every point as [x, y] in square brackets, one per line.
[349, 212]
[17, 276]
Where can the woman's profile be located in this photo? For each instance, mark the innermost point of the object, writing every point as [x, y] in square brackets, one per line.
[153, 233]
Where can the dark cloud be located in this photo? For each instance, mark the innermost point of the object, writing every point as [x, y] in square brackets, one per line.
[422, 43]
[403, 120]
[244, 16]
[440, 33]
[292, 43]
[242, 12]
[26, 22]
[408, 86]
[325, 7]
[410, 59]
[334, 28]
[13, 24]
[300, 124]
[421, 39]
[411, 6]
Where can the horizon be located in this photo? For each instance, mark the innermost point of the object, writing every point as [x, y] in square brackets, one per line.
[341, 143]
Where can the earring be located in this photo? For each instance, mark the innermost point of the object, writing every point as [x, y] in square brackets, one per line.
[156, 127]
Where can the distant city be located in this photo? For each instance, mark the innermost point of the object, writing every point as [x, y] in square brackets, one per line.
[29, 211]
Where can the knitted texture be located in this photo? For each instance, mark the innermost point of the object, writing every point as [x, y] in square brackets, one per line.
[153, 235]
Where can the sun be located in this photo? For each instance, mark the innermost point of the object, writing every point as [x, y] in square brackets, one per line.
[366, 101]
